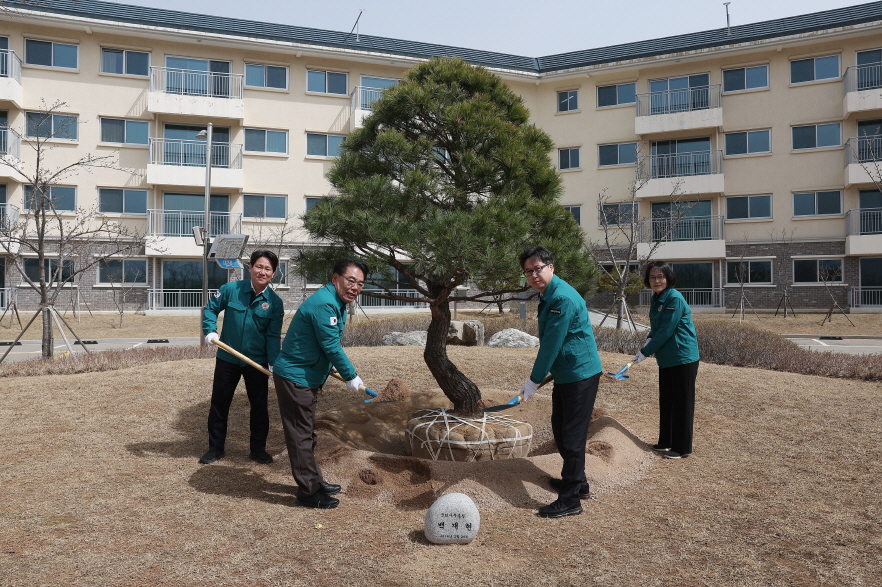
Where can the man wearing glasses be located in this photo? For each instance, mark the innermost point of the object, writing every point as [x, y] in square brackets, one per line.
[311, 347]
[566, 350]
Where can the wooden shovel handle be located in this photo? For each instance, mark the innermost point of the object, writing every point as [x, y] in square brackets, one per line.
[362, 388]
[236, 353]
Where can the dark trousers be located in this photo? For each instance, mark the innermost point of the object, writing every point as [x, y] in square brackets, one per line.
[226, 378]
[571, 407]
[676, 406]
[297, 408]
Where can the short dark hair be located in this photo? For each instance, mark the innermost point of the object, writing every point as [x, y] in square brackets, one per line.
[270, 256]
[665, 268]
[342, 265]
[539, 252]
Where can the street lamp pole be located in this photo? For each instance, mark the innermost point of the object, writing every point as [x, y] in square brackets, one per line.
[206, 134]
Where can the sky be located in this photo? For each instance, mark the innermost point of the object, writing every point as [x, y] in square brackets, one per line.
[531, 28]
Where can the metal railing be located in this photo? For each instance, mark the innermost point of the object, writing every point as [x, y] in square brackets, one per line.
[863, 77]
[10, 65]
[7, 294]
[864, 296]
[363, 98]
[675, 101]
[688, 228]
[175, 299]
[863, 221]
[191, 153]
[367, 301]
[713, 297]
[681, 164]
[188, 82]
[10, 212]
[866, 149]
[10, 143]
[181, 222]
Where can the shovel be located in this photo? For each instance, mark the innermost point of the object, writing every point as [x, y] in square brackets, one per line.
[363, 388]
[236, 353]
[516, 400]
[620, 375]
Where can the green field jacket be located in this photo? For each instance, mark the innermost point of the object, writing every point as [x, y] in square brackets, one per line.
[252, 327]
[674, 341]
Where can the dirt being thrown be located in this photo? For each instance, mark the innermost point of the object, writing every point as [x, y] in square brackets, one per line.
[396, 391]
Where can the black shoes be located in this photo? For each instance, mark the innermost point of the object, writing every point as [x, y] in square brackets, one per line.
[261, 456]
[211, 456]
[319, 500]
[329, 488]
[675, 455]
[660, 448]
[559, 509]
[556, 484]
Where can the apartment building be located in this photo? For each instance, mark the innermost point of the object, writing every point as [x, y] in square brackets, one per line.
[765, 134]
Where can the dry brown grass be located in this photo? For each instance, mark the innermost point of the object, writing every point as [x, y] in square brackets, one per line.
[101, 486]
[802, 323]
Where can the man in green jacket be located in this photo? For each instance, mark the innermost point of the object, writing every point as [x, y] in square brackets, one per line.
[312, 346]
[566, 350]
[253, 326]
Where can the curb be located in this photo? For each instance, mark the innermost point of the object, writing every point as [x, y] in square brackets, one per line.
[828, 336]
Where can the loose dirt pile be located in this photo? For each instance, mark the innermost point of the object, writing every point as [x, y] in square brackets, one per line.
[396, 391]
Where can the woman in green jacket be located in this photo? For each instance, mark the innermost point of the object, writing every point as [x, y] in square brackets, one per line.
[673, 341]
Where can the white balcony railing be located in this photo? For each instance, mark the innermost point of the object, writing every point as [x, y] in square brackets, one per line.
[190, 153]
[186, 82]
[363, 98]
[713, 297]
[7, 294]
[9, 212]
[865, 149]
[10, 143]
[180, 223]
[863, 77]
[175, 299]
[681, 164]
[10, 65]
[367, 301]
[861, 221]
[689, 228]
[675, 101]
[859, 296]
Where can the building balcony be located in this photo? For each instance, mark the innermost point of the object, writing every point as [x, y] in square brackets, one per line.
[196, 93]
[10, 78]
[863, 89]
[700, 172]
[10, 150]
[175, 299]
[863, 231]
[864, 297]
[8, 213]
[367, 301]
[170, 232]
[676, 110]
[362, 100]
[711, 297]
[863, 160]
[690, 237]
[182, 163]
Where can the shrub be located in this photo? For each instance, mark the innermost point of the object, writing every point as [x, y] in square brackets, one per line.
[103, 361]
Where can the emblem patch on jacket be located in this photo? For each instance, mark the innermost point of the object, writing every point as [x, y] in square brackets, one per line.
[660, 308]
[217, 294]
[264, 306]
[554, 311]
[333, 320]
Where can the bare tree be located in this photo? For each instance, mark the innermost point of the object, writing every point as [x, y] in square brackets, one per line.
[827, 274]
[742, 272]
[52, 242]
[122, 283]
[785, 243]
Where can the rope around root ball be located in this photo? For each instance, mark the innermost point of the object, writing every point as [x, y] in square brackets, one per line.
[442, 416]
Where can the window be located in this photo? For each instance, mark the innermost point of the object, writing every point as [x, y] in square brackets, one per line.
[54, 126]
[265, 206]
[620, 154]
[742, 207]
[569, 158]
[813, 136]
[266, 76]
[51, 54]
[576, 211]
[327, 82]
[122, 61]
[618, 214]
[752, 141]
[60, 198]
[312, 202]
[568, 101]
[53, 273]
[817, 270]
[817, 203]
[323, 145]
[258, 140]
[754, 272]
[815, 68]
[745, 78]
[117, 130]
[281, 276]
[121, 271]
[122, 201]
[191, 76]
[617, 94]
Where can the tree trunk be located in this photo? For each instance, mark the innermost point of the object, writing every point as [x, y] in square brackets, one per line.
[48, 342]
[458, 388]
[620, 303]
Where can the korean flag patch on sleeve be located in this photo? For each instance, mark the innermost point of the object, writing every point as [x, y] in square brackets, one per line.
[333, 320]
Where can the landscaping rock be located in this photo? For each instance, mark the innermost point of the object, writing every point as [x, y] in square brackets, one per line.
[452, 519]
[466, 332]
[415, 338]
[513, 338]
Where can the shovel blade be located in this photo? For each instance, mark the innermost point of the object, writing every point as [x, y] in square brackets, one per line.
[515, 401]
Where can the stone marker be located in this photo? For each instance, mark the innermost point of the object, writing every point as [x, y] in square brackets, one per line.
[452, 519]
[466, 332]
[513, 338]
[415, 338]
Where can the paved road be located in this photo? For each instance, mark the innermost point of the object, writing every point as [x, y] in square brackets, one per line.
[30, 349]
[845, 344]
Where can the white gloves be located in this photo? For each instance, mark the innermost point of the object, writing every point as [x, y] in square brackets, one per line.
[529, 389]
[353, 384]
[210, 337]
[638, 357]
